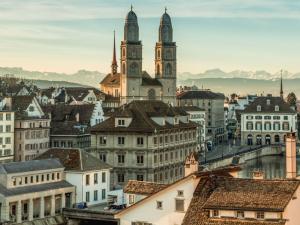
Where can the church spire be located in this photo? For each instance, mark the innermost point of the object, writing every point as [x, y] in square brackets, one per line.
[281, 86]
[114, 64]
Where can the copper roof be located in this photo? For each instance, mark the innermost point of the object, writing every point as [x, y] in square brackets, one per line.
[143, 187]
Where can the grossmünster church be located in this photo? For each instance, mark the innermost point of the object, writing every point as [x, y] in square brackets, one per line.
[131, 82]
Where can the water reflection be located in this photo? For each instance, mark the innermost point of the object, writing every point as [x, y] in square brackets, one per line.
[272, 166]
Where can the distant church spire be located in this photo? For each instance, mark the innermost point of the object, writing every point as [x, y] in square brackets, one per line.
[281, 86]
[114, 64]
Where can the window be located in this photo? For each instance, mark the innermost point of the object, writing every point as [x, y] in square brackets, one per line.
[159, 205]
[102, 140]
[121, 140]
[121, 178]
[103, 194]
[87, 179]
[87, 196]
[140, 141]
[7, 140]
[121, 122]
[140, 177]
[260, 215]
[26, 180]
[258, 117]
[179, 205]
[1, 116]
[258, 108]
[276, 117]
[240, 214]
[96, 195]
[180, 193]
[8, 116]
[53, 176]
[48, 177]
[131, 199]
[95, 178]
[121, 158]
[285, 117]
[267, 117]
[155, 140]
[31, 179]
[103, 177]
[249, 125]
[286, 126]
[215, 213]
[8, 128]
[58, 176]
[276, 108]
[102, 157]
[37, 178]
[140, 159]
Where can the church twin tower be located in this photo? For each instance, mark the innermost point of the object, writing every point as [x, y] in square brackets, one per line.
[136, 84]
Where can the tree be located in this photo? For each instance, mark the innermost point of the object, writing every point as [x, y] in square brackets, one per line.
[292, 99]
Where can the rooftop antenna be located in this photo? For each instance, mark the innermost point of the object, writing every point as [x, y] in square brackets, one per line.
[131, 7]
[165, 9]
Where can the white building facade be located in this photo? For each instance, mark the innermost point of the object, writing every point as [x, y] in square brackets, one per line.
[266, 121]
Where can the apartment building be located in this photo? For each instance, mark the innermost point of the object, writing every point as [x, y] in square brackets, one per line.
[146, 141]
[266, 121]
[7, 120]
[32, 128]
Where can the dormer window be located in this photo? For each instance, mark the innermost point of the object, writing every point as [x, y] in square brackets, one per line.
[260, 215]
[121, 122]
[240, 214]
[276, 108]
[258, 108]
[268, 102]
[215, 213]
[175, 120]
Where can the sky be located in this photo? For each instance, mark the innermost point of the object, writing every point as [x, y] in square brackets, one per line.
[69, 35]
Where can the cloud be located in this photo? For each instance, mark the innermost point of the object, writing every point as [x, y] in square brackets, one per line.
[58, 10]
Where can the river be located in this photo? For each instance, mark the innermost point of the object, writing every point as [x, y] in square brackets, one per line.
[272, 166]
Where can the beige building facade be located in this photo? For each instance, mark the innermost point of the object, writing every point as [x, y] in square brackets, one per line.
[33, 190]
[146, 141]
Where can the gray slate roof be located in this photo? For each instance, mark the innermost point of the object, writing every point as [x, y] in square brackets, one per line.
[284, 107]
[33, 188]
[27, 166]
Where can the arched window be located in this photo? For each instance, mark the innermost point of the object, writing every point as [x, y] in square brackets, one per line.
[158, 53]
[277, 138]
[134, 68]
[123, 68]
[249, 139]
[168, 69]
[123, 52]
[268, 139]
[151, 94]
[158, 69]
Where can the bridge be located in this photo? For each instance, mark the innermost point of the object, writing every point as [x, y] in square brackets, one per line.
[236, 155]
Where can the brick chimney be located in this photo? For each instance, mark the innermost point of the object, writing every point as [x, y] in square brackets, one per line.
[290, 154]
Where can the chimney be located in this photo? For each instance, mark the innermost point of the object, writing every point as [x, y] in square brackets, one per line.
[191, 164]
[290, 154]
[77, 117]
[8, 103]
[258, 175]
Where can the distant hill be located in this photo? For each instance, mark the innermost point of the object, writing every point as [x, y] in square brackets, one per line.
[245, 86]
[241, 82]
[84, 77]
